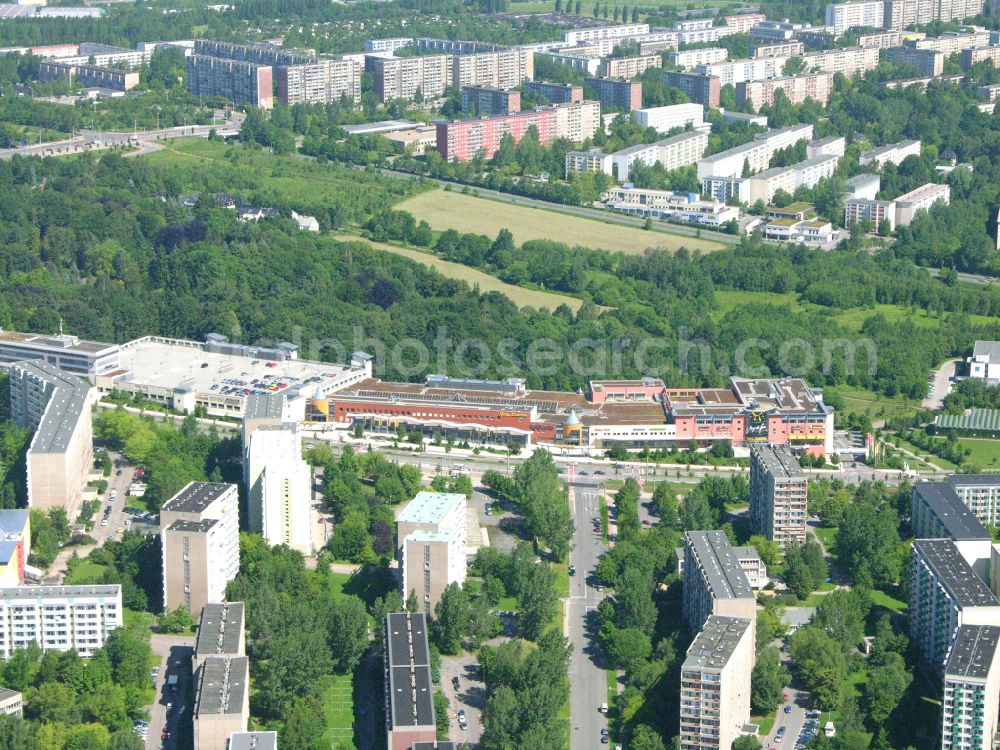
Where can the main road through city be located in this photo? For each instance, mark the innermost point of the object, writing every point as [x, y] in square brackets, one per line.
[589, 687]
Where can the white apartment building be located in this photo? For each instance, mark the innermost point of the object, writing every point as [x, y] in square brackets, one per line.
[921, 199]
[58, 618]
[733, 72]
[433, 542]
[797, 89]
[892, 152]
[985, 361]
[503, 68]
[971, 689]
[593, 160]
[900, 14]
[756, 154]
[778, 489]
[322, 81]
[673, 153]
[628, 67]
[743, 22]
[842, 17]
[693, 57]
[402, 77]
[835, 145]
[848, 61]
[763, 185]
[981, 54]
[930, 62]
[715, 684]
[386, 45]
[979, 492]
[199, 534]
[881, 41]
[279, 487]
[863, 186]
[625, 31]
[577, 121]
[952, 42]
[782, 49]
[945, 594]
[671, 116]
[861, 209]
[714, 581]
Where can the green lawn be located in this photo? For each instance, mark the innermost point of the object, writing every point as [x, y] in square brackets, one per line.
[882, 599]
[895, 313]
[875, 405]
[827, 535]
[85, 571]
[562, 578]
[925, 456]
[139, 503]
[985, 453]
[507, 604]
[337, 583]
[135, 618]
[725, 301]
[338, 709]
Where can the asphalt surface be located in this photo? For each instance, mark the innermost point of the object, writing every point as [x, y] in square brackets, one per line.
[588, 680]
[792, 722]
[175, 653]
[470, 696]
[940, 386]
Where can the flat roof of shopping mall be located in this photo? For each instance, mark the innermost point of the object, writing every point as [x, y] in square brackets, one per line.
[163, 364]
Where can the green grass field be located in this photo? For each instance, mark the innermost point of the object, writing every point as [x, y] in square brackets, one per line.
[468, 213]
[85, 571]
[875, 405]
[726, 301]
[827, 535]
[518, 295]
[985, 453]
[338, 708]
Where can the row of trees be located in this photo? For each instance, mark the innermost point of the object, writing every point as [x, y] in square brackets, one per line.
[519, 574]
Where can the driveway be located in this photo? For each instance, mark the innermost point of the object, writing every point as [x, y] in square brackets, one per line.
[941, 385]
[470, 696]
[175, 653]
[792, 722]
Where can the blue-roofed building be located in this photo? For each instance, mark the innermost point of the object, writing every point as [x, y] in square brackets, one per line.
[15, 546]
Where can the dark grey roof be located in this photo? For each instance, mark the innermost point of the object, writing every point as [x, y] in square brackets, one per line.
[219, 629]
[263, 406]
[958, 521]
[253, 741]
[720, 564]
[60, 592]
[779, 461]
[410, 693]
[972, 653]
[222, 683]
[954, 573]
[714, 645]
[193, 527]
[67, 399]
[6, 694]
[988, 349]
[195, 497]
[980, 480]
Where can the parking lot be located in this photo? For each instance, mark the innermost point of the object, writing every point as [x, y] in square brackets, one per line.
[470, 696]
[796, 723]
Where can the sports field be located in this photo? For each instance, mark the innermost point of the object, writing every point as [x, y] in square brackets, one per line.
[468, 213]
[338, 706]
[486, 283]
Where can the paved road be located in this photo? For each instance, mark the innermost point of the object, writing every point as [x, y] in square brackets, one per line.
[175, 659]
[792, 722]
[470, 697]
[941, 385]
[588, 681]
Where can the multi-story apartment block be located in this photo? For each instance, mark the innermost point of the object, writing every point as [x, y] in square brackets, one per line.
[833, 145]
[879, 213]
[981, 54]
[928, 61]
[259, 54]
[778, 489]
[403, 77]
[106, 56]
[387, 45]
[842, 17]
[921, 199]
[980, 493]
[863, 186]
[673, 153]
[756, 155]
[11, 703]
[693, 57]
[409, 702]
[951, 42]
[945, 594]
[588, 65]
[848, 61]
[617, 94]
[989, 92]
[484, 100]
[901, 14]
[433, 541]
[937, 512]
[221, 632]
[502, 68]
[763, 185]
[556, 93]
[714, 581]
[703, 89]
[221, 701]
[199, 532]
[698, 31]
[279, 487]
[115, 79]
[797, 89]
[732, 72]
[253, 741]
[753, 567]
[971, 689]
[892, 152]
[671, 116]
[592, 160]
[240, 82]
[59, 618]
[463, 139]
[322, 81]
[56, 406]
[715, 684]
[743, 22]
[883, 40]
[628, 67]
[782, 49]
[626, 31]
[775, 32]
[88, 359]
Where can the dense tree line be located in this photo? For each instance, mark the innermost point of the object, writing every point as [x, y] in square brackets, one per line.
[519, 574]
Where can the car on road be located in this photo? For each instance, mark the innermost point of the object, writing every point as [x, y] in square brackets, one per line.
[572, 570]
[605, 740]
[813, 714]
[461, 714]
[104, 522]
[455, 683]
[779, 738]
[603, 708]
[788, 709]
[781, 730]
[605, 732]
